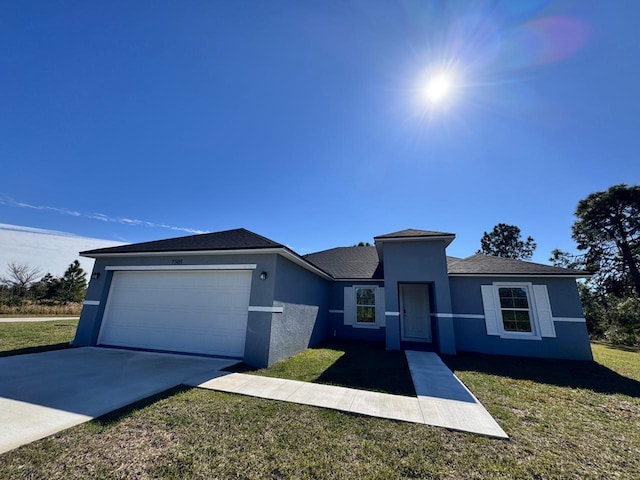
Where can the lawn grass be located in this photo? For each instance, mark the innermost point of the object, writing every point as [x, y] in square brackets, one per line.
[567, 420]
[32, 337]
[363, 365]
[624, 360]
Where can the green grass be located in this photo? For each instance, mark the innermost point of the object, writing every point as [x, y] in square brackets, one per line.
[624, 360]
[31, 337]
[567, 420]
[363, 365]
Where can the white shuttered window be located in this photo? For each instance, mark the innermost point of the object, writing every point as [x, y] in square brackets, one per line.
[517, 310]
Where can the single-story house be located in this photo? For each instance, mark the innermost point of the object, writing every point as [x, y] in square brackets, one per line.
[238, 294]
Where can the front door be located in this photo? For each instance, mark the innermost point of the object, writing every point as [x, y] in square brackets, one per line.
[415, 312]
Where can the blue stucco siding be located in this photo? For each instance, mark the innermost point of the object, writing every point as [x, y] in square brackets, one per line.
[571, 340]
[337, 328]
[563, 294]
[420, 262]
[91, 315]
[304, 297]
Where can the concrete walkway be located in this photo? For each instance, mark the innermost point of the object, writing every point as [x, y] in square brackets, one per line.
[442, 400]
[34, 319]
[445, 401]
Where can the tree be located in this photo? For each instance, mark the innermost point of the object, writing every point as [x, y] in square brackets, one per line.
[608, 230]
[73, 283]
[47, 288]
[362, 244]
[19, 277]
[505, 241]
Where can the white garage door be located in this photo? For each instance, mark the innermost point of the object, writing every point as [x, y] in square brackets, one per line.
[181, 311]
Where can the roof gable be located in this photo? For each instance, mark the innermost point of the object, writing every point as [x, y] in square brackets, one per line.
[238, 238]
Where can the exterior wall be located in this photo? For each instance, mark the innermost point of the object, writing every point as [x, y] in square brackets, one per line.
[262, 291]
[419, 262]
[337, 328]
[572, 338]
[304, 321]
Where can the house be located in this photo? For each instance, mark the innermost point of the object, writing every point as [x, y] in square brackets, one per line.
[238, 294]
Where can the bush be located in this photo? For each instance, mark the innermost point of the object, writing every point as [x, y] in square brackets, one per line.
[615, 319]
[618, 335]
[38, 309]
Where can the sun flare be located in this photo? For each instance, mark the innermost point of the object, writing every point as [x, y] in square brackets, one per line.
[438, 88]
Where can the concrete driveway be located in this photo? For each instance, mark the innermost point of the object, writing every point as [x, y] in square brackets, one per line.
[43, 393]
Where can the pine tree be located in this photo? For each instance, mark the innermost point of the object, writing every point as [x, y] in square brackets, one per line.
[73, 284]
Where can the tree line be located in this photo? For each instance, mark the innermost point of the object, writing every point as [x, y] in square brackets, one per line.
[607, 235]
[22, 283]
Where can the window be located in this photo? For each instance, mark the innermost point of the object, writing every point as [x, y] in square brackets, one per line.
[365, 305]
[514, 307]
[517, 310]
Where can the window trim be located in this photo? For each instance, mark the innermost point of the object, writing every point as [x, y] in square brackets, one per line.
[533, 311]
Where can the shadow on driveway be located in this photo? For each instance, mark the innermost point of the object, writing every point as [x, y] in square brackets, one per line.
[43, 393]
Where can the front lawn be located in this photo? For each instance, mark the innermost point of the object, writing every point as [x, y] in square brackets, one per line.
[33, 337]
[566, 420]
[363, 365]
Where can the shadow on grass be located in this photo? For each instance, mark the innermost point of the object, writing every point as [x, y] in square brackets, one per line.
[562, 373]
[38, 349]
[368, 366]
[361, 365]
[622, 348]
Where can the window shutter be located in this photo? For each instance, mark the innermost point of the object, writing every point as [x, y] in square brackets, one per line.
[543, 307]
[491, 313]
[380, 318]
[349, 306]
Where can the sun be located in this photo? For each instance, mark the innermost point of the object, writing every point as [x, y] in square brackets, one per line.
[438, 88]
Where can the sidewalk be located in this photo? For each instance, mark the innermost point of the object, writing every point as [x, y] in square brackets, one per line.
[442, 400]
[35, 319]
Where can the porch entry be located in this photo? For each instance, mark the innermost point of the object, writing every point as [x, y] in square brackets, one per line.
[415, 313]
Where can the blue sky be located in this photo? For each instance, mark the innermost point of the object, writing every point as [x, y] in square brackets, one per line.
[304, 122]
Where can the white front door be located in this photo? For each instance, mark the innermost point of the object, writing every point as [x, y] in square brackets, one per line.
[415, 313]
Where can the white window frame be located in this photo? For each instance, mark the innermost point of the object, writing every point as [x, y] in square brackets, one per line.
[534, 334]
[355, 304]
[350, 307]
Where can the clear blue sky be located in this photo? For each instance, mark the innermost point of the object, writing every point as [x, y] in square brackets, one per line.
[302, 121]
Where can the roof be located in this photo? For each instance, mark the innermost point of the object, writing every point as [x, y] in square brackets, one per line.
[480, 264]
[354, 263]
[413, 233]
[238, 238]
[348, 262]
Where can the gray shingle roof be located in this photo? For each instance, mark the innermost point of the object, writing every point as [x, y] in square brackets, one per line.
[226, 240]
[485, 264]
[348, 262]
[413, 233]
[342, 262]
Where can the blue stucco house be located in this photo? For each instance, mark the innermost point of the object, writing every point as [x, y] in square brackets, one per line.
[238, 294]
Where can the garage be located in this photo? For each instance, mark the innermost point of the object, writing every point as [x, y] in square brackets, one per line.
[194, 311]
